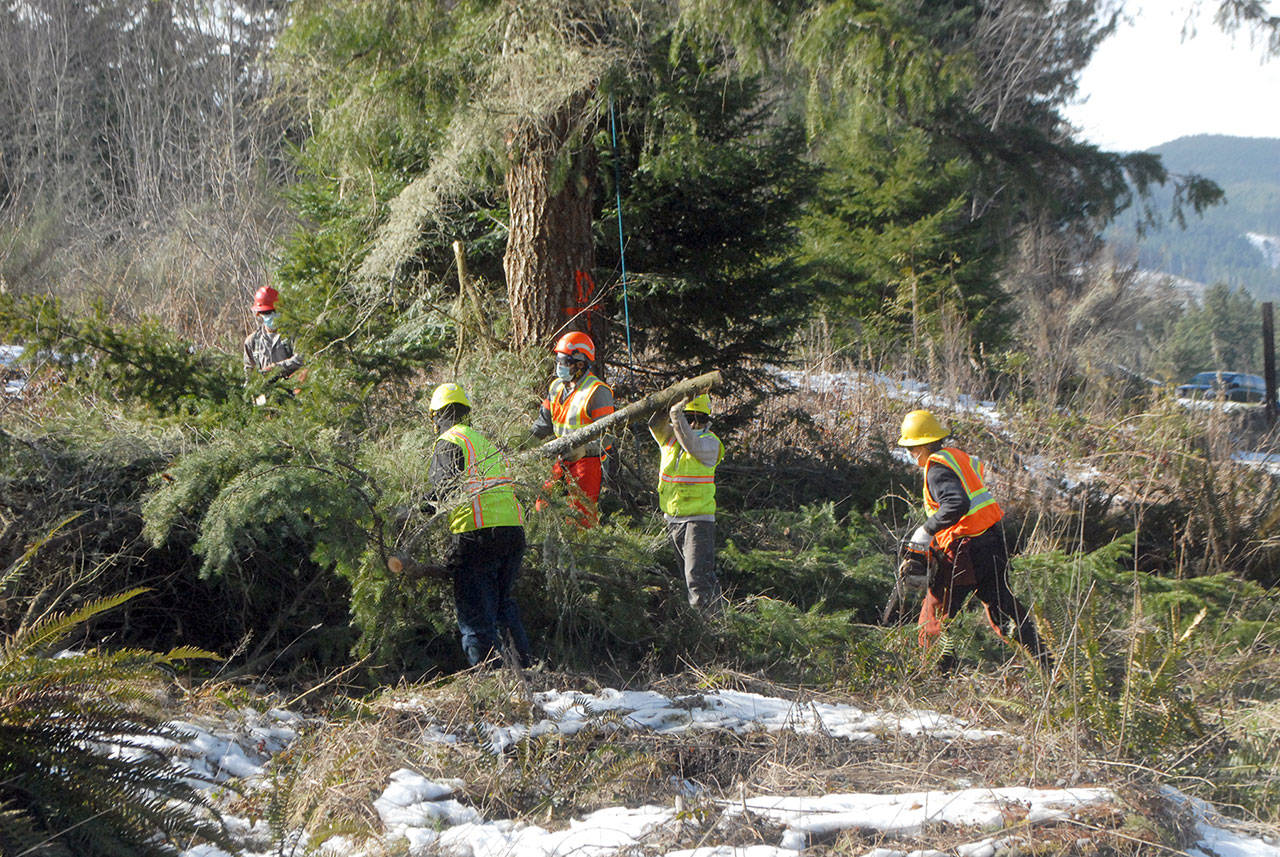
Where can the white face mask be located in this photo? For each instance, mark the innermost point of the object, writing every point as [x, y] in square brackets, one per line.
[564, 373]
[269, 320]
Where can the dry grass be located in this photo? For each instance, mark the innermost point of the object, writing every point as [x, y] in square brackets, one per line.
[338, 770]
[1070, 481]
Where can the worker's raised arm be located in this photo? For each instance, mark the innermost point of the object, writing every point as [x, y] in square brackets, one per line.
[702, 445]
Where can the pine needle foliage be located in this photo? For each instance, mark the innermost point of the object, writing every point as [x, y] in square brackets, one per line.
[606, 596]
[79, 770]
[710, 164]
[789, 643]
[808, 557]
[138, 362]
[940, 126]
[271, 516]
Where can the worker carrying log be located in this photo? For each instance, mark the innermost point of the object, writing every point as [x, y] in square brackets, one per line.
[575, 399]
[965, 536]
[687, 493]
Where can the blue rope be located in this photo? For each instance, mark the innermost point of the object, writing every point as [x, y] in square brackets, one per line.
[622, 248]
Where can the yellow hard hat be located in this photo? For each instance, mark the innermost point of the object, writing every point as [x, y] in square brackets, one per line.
[700, 404]
[449, 394]
[921, 427]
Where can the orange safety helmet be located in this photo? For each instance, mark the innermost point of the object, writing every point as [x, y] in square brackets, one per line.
[575, 342]
[265, 299]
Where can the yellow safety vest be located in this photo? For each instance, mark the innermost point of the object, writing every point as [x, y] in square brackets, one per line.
[983, 512]
[686, 486]
[492, 498]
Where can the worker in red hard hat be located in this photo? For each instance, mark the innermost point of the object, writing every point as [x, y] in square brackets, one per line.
[576, 398]
[265, 350]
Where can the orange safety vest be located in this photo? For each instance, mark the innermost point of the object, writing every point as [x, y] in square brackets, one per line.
[569, 413]
[983, 512]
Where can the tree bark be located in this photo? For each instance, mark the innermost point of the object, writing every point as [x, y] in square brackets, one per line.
[550, 190]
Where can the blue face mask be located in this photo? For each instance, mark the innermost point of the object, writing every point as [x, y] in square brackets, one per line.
[564, 373]
[269, 320]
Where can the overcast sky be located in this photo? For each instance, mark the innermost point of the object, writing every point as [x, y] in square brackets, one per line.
[1148, 85]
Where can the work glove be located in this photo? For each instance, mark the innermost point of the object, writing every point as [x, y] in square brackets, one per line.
[920, 539]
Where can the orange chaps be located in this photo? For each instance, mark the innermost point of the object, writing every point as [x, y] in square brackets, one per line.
[581, 480]
[977, 565]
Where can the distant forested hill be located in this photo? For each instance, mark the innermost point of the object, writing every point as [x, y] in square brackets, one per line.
[1217, 248]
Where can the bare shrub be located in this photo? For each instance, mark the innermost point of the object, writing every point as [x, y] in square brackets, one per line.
[142, 165]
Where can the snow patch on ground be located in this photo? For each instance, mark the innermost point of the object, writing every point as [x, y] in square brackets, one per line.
[9, 355]
[1217, 839]
[568, 712]
[236, 746]
[1223, 406]
[423, 816]
[1067, 476]
[820, 816]
[1261, 460]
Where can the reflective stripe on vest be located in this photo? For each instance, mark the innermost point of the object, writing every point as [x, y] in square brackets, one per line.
[983, 509]
[686, 486]
[492, 499]
[571, 413]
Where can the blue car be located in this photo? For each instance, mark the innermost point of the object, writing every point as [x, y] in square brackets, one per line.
[1232, 386]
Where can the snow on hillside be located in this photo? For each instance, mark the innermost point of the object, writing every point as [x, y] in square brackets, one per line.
[915, 394]
[422, 816]
[1267, 245]
[904, 389]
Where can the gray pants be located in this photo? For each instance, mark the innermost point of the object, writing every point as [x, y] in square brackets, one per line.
[695, 544]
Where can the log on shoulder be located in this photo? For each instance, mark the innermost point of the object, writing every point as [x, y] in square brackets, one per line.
[633, 412]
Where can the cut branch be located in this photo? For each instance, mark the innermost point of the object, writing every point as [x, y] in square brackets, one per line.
[633, 412]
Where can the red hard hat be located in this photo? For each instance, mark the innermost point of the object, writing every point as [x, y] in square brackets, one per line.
[265, 299]
[573, 341]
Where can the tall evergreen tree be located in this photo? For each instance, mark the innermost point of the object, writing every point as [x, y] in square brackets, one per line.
[940, 126]
[489, 123]
[1223, 332]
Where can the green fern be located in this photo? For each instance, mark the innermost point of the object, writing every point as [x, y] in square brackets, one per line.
[1135, 702]
[79, 772]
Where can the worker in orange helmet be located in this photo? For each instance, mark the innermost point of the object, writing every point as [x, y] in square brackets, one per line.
[965, 536]
[575, 399]
[265, 350]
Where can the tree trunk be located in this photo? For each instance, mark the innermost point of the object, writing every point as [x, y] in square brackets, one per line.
[550, 258]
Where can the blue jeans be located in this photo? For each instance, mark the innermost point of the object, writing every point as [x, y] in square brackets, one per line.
[485, 564]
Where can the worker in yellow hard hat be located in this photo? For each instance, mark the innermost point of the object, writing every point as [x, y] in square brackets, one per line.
[965, 536]
[687, 493]
[486, 526]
